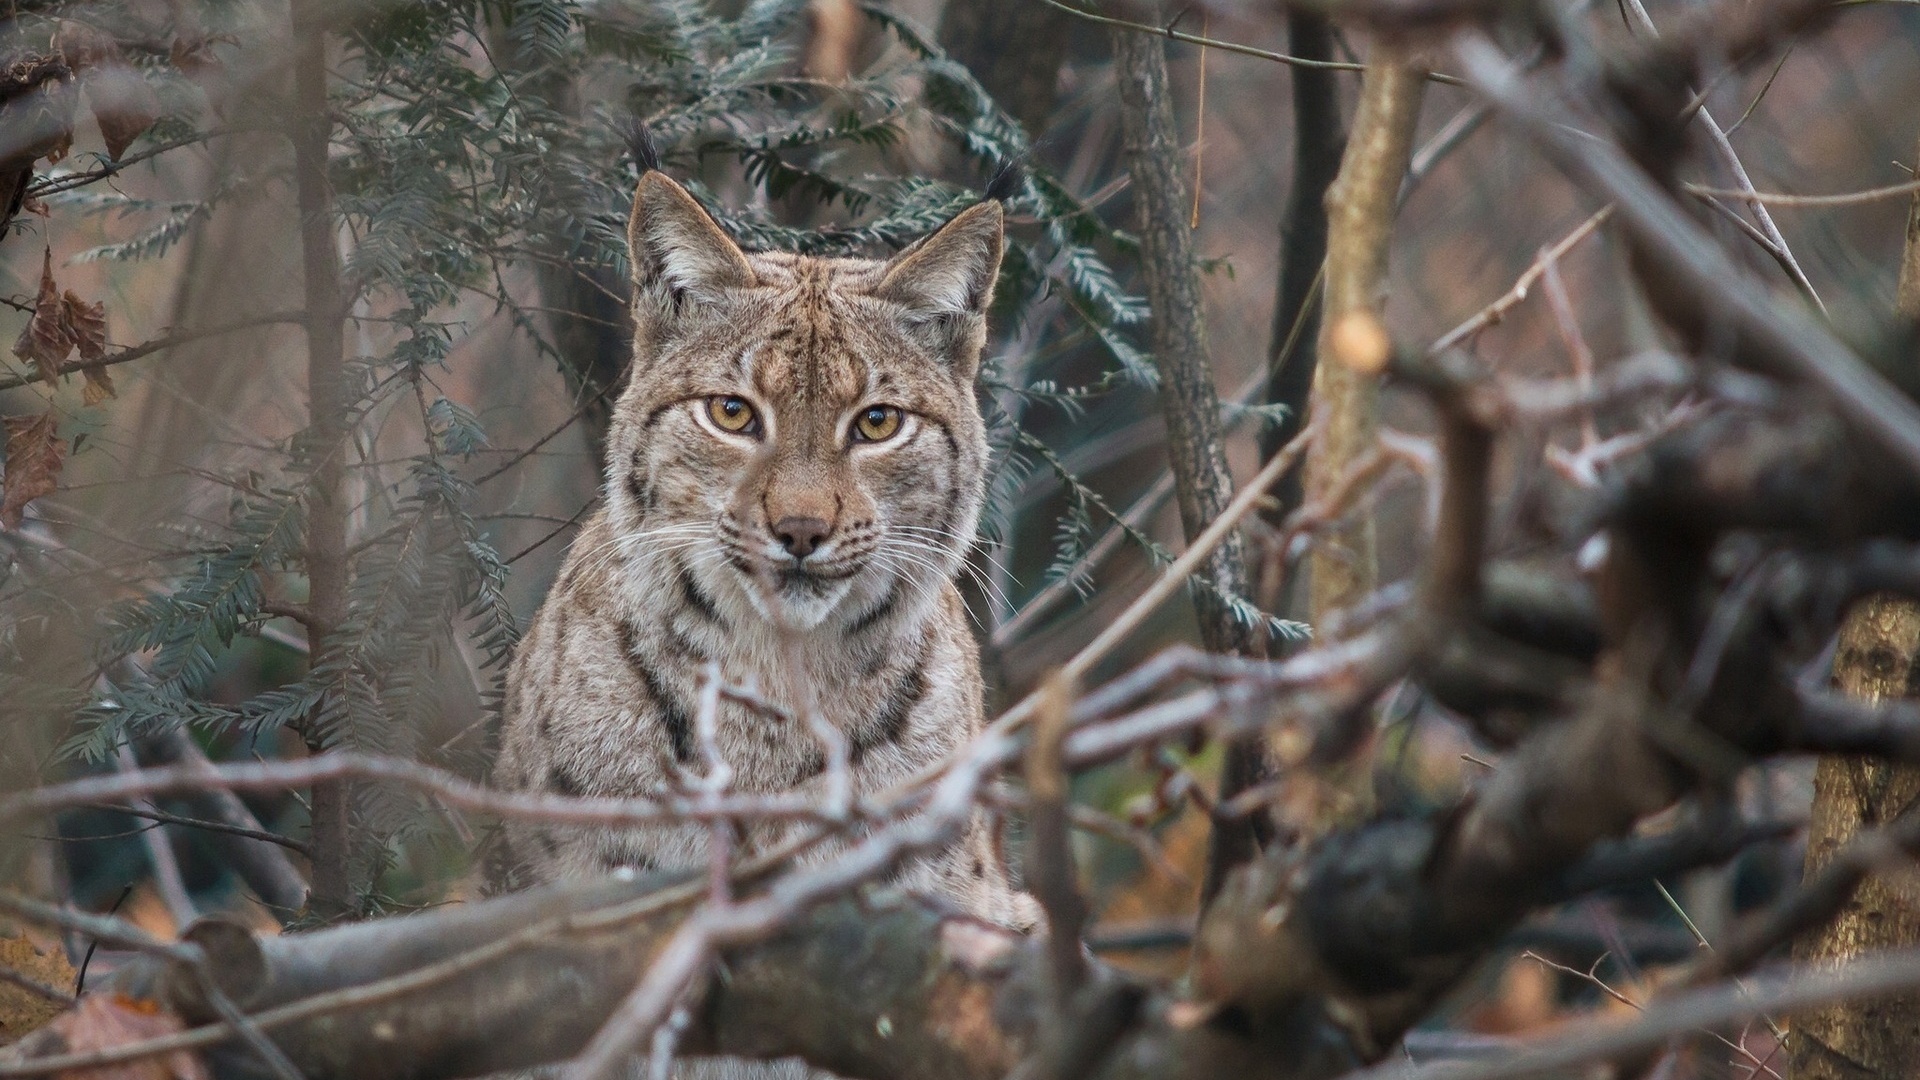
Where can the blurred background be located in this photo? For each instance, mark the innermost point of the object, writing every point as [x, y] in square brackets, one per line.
[479, 163]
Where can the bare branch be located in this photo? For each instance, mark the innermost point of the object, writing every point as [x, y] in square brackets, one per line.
[1773, 338]
[1493, 313]
[1353, 346]
[1050, 865]
[1770, 198]
[145, 349]
[1616, 1041]
[445, 786]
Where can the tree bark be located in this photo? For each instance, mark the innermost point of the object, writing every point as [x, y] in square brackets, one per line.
[1188, 398]
[1015, 48]
[326, 559]
[1319, 141]
[1878, 659]
[1191, 404]
[1906, 299]
[1360, 211]
[1291, 359]
[886, 989]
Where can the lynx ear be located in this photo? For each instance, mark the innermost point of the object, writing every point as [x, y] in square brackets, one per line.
[676, 248]
[951, 271]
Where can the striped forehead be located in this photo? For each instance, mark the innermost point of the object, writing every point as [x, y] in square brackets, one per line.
[784, 270]
[813, 350]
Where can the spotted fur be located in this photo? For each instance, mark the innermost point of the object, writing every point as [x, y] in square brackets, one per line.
[693, 561]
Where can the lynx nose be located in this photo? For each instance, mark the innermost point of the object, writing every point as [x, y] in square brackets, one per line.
[800, 535]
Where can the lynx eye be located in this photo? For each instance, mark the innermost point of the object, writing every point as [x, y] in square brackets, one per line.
[876, 423]
[731, 413]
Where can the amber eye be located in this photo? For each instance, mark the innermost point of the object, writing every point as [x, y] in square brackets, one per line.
[876, 423]
[733, 414]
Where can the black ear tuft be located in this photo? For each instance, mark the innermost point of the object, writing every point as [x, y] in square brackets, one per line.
[640, 144]
[1008, 180]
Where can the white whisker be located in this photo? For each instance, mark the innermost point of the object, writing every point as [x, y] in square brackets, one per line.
[973, 573]
[899, 553]
[925, 588]
[676, 537]
[971, 545]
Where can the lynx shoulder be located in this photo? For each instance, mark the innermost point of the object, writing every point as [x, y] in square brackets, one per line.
[794, 473]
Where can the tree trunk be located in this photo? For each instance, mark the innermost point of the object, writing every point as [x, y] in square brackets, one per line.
[1318, 142]
[1188, 397]
[1360, 210]
[1878, 658]
[1179, 337]
[326, 559]
[1318, 139]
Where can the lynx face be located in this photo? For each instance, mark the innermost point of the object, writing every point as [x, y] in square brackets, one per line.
[800, 438]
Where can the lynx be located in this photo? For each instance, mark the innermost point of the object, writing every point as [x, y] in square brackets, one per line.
[793, 476]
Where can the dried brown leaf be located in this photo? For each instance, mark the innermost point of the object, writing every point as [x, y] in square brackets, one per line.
[193, 53]
[34, 456]
[123, 105]
[21, 1009]
[83, 45]
[36, 109]
[61, 323]
[122, 102]
[86, 325]
[102, 1021]
[99, 385]
[36, 112]
[48, 337]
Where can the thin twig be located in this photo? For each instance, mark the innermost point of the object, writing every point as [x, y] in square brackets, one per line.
[136, 352]
[1050, 865]
[1788, 991]
[1590, 976]
[1774, 338]
[1194, 39]
[1569, 323]
[1772, 198]
[101, 928]
[1522, 286]
[1776, 243]
[58, 182]
[445, 786]
[165, 818]
[555, 531]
